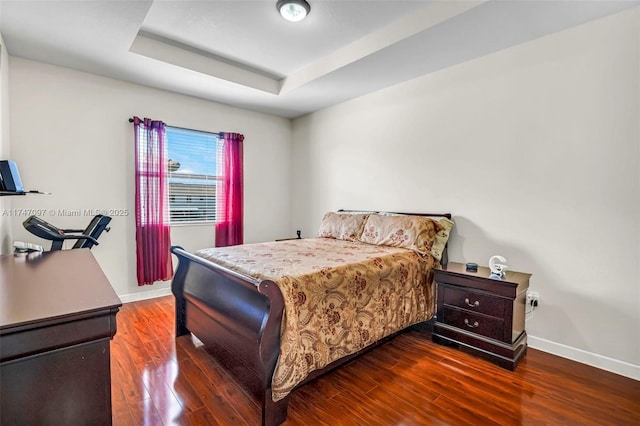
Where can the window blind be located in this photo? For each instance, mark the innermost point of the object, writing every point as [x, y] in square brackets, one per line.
[193, 157]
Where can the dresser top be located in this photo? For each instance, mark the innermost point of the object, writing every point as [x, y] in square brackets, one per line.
[513, 277]
[40, 287]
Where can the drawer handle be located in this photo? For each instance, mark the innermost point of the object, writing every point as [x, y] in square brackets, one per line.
[474, 325]
[473, 305]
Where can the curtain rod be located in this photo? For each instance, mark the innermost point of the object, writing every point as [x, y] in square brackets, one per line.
[184, 128]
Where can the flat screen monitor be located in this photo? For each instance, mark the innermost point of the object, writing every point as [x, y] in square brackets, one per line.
[10, 177]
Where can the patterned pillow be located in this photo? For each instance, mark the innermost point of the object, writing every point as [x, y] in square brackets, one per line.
[411, 232]
[342, 226]
[441, 237]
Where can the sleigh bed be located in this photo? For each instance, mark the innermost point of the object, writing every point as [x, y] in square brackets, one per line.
[279, 314]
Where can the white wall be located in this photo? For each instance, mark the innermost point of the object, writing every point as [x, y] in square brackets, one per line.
[70, 136]
[535, 151]
[5, 202]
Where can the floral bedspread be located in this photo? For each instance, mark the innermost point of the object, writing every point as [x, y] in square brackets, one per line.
[340, 296]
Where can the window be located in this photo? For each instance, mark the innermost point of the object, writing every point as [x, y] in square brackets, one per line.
[192, 175]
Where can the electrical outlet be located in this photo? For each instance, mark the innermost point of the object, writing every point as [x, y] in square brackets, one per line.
[533, 298]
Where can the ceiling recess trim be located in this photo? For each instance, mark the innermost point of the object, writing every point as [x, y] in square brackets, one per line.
[433, 14]
[184, 58]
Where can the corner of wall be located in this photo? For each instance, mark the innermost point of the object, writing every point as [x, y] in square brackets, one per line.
[637, 21]
[5, 202]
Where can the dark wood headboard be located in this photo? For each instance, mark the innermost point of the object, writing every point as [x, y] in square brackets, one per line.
[445, 254]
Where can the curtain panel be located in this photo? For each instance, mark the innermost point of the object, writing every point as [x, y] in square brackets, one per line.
[153, 231]
[230, 192]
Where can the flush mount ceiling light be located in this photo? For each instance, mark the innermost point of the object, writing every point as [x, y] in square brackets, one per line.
[293, 10]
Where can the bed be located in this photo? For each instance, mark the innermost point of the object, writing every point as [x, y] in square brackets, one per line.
[279, 314]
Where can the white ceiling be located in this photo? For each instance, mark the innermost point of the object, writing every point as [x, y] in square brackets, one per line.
[242, 53]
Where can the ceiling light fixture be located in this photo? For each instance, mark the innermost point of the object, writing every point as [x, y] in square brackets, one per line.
[293, 10]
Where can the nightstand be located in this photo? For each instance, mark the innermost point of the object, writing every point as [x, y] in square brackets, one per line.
[481, 314]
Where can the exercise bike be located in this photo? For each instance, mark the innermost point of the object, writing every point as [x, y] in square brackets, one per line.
[86, 238]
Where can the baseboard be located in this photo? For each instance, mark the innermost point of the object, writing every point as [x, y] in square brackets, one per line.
[599, 361]
[144, 295]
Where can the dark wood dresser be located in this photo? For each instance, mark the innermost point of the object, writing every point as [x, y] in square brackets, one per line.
[483, 315]
[57, 317]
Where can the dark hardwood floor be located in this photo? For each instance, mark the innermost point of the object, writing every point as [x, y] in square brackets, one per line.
[160, 380]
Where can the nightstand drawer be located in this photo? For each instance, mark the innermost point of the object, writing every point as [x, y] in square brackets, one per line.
[483, 325]
[472, 301]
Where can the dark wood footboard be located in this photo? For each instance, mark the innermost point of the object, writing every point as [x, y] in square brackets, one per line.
[237, 318]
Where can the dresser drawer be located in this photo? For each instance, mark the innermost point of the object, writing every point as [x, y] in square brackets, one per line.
[472, 301]
[484, 325]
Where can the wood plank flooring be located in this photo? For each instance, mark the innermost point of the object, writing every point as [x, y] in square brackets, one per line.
[160, 380]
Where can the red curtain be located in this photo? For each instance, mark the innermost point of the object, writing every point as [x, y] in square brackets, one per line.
[153, 239]
[230, 193]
